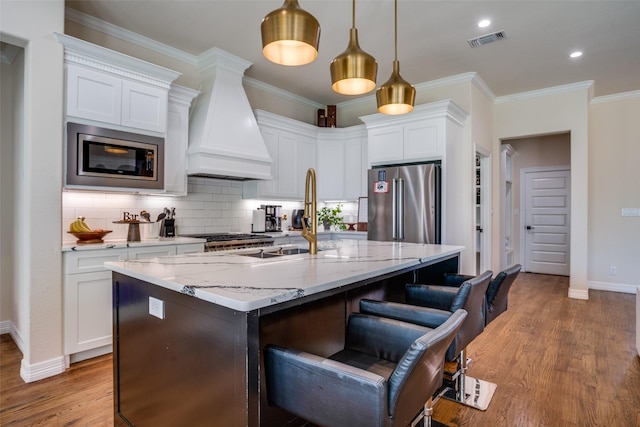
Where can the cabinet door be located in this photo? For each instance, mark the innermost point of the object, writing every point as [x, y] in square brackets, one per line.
[287, 165]
[353, 174]
[93, 95]
[306, 160]
[175, 150]
[265, 188]
[144, 107]
[423, 141]
[386, 145]
[151, 252]
[331, 170]
[87, 311]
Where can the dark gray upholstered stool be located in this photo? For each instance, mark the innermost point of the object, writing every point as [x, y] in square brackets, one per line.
[384, 375]
[497, 296]
[430, 306]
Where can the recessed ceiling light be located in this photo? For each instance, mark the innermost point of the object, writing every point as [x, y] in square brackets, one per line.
[576, 54]
[484, 23]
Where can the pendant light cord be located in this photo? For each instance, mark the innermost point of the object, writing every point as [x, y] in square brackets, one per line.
[395, 26]
[353, 14]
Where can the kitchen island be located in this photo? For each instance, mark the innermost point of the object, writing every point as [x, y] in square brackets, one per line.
[189, 329]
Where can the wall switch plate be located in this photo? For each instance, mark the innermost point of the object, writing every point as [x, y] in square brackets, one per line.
[630, 212]
[156, 307]
[613, 270]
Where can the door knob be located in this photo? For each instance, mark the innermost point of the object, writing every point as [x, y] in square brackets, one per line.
[530, 227]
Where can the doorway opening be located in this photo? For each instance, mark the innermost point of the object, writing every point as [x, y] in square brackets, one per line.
[482, 214]
[549, 247]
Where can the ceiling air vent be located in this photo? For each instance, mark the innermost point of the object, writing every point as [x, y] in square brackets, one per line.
[488, 38]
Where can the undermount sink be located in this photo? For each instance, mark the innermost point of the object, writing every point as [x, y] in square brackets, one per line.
[276, 253]
[262, 254]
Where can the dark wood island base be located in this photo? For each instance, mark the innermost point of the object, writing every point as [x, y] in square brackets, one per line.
[201, 364]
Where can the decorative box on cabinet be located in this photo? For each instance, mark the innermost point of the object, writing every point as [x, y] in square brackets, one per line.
[108, 87]
[419, 136]
[87, 309]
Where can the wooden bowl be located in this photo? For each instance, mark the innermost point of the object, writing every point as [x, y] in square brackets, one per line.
[89, 236]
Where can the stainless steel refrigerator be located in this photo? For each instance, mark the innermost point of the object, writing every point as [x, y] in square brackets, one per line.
[404, 203]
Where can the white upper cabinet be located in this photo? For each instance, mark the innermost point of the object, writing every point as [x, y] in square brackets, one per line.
[338, 155]
[111, 88]
[292, 147]
[93, 95]
[415, 137]
[341, 169]
[143, 106]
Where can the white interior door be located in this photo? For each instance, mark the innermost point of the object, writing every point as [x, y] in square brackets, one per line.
[547, 221]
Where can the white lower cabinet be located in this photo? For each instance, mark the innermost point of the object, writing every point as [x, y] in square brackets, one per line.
[87, 295]
[87, 311]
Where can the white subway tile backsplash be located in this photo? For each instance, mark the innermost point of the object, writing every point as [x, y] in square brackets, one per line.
[211, 206]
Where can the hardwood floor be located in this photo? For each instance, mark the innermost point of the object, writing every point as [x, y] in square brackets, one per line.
[557, 362]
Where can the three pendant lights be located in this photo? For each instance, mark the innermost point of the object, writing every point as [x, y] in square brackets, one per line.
[291, 35]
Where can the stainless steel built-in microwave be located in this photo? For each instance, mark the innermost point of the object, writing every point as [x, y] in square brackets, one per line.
[110, 158]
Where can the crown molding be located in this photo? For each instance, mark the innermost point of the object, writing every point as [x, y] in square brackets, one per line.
[182, 95]
[265, 87]
[585, 85]
[128, 36]
[83, 53]
[616, 97]
[472, 77]
[434, 110]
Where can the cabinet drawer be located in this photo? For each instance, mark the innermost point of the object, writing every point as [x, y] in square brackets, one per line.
[89, 261]
[151, 252]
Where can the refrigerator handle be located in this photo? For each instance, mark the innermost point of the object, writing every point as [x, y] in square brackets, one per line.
[394, 209]
[400, 218]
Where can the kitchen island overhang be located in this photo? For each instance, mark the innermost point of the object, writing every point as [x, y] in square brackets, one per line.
[220, 309]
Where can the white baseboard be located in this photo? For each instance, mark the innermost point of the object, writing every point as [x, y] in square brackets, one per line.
[7, 327]
[37, 371]
[613, 287]
[579, 293]
[41, 370]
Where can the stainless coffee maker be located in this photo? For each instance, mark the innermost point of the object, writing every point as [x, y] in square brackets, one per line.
[272, 218]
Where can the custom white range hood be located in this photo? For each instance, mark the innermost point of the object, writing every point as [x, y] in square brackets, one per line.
[224, 138]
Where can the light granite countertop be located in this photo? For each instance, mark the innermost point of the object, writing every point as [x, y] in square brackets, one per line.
[234, 280]
[122, 243]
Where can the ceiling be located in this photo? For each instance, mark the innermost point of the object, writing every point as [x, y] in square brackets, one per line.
[432, 39]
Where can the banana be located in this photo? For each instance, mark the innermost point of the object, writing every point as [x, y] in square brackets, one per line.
[79, 226]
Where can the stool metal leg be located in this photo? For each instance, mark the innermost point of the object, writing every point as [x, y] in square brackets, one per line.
[470, 391]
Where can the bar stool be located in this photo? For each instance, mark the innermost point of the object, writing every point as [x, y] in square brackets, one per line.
[430, 306]
[384, 375]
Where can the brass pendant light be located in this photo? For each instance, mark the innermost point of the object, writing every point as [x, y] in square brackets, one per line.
[290, 35]
[353, 72]
[396, 96]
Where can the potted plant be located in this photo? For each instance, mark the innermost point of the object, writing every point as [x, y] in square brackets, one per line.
[328, 217]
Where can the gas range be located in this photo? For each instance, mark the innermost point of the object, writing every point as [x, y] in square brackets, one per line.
[226, 241]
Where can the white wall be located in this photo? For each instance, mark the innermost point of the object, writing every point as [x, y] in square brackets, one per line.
[30, 24]
[614, 183]
[555, 112]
